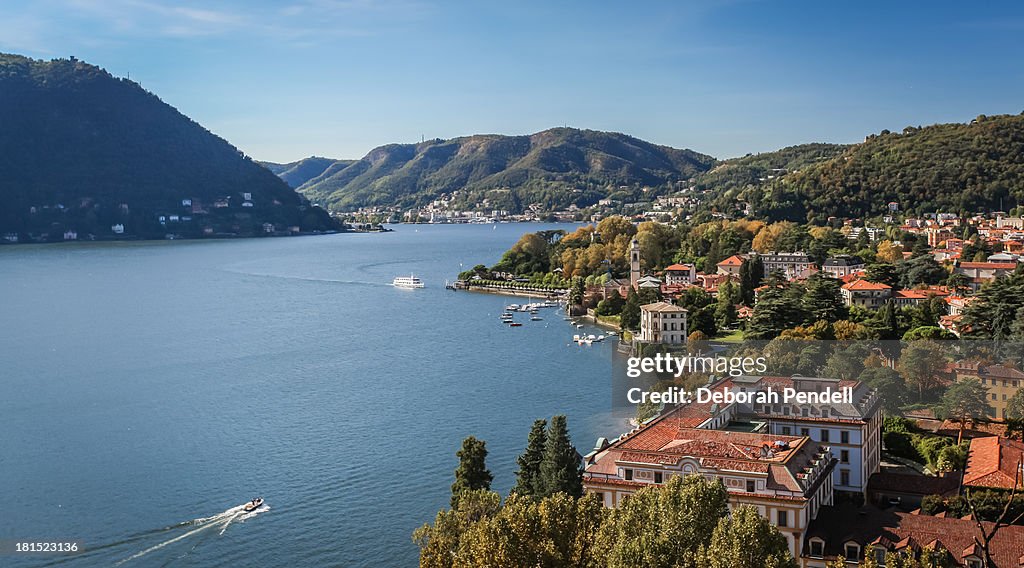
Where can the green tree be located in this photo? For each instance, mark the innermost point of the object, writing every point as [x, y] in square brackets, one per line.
[612, 305]
[472, 472]
[528, 476]
[823, 300]
[886, 321]
[959, 283]
[751, 275]
[557, 531]
[1015, 406]
[439, 543]
[883, 273]
[630, 318]
[560, 469]
[664, 527]
[921, 365]
[892, 390]
[577, 289]
[921, 270]
[777, 309]
[728, 297]
[529, 255]
[963, 401]
[995, 311]
[745, 539]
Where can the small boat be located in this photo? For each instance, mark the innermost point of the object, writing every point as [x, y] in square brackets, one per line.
[253, 505]
[536, 318]
[512, 307]
[515, 324]
[576, 338]
[579, 326]
[407, 282]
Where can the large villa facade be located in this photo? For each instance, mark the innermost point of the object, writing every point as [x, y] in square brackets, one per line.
[786, 478]
[786, 460]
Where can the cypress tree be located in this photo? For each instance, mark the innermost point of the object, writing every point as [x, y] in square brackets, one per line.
[560, 470]
[630, 318]
[472, 472]
[528, 476]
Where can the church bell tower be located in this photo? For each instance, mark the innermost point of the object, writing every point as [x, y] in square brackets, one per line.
[634, 263]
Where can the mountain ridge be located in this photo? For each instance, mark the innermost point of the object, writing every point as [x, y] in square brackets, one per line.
[561, 166]
[83, 151]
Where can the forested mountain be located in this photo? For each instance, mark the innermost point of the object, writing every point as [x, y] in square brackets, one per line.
[945, 167]
[553, 169]
[83, 151]
[735, 174]
[297, 173]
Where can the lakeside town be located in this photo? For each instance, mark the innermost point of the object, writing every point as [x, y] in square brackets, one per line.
[919, 317]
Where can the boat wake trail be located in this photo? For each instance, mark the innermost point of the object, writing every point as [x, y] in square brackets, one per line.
[197, 528]
[202, 525]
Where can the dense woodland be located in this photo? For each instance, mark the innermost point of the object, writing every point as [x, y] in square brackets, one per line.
[955, 168]
[76, 143]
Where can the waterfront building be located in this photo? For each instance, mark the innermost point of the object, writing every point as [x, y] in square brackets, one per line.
[786, 478]
[662, 322]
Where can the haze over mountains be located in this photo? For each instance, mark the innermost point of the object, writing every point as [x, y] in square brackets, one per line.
[83, 152]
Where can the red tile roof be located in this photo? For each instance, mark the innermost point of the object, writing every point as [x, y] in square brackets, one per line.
[891, 529]
[989, 265]
[865, 285]
[994, 462]
[734, 260]
[678, 267]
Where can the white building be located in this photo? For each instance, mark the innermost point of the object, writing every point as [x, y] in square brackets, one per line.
[790, 264]
[662, 322]
[841, 266]
[683, 274]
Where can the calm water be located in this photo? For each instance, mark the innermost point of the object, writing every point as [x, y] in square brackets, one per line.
[146, 385]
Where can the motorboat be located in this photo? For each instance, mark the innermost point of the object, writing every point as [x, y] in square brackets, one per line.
[253, 505]
[407, 282]
[515, 324]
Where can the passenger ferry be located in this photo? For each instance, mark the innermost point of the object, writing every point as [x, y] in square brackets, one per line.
[407, 282]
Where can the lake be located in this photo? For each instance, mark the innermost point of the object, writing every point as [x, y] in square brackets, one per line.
[146, 389]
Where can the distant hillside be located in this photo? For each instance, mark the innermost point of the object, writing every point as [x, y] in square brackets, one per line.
[758, 169]
[945, 167]
[553, 169]
[84, 151]
[297, 173]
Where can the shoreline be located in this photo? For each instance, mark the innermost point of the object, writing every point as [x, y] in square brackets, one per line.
[510, 292]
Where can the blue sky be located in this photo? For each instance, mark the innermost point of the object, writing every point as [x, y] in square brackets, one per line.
[284, 80]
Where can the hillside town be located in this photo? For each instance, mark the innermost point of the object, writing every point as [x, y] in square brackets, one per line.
[894, 474]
